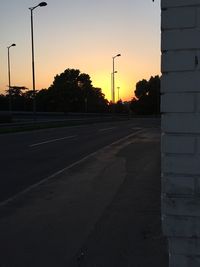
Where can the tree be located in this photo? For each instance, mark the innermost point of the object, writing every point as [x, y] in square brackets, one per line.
[148, 97]
[93, 98]
[16, 95]
[63, 93]
[120, 107]
[3, 102]
[71, 91]
[141, 88]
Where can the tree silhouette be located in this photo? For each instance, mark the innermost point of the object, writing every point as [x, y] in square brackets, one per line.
[3, 102]
[141, 88]
[72, 91]
[16, 94]
[148, 97]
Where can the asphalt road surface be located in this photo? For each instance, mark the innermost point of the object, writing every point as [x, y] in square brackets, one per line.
[98, 204]
[27, 158]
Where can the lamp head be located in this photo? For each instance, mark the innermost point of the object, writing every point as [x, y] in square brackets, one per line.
[119, 55]
[42, 4]
[13, 44]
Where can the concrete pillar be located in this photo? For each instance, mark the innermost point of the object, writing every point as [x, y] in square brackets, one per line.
[180, 105]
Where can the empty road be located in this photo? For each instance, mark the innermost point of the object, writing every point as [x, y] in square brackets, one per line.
[98, 203]
[27, 158]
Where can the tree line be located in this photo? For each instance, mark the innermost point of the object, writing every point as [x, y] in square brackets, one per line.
[72, 91]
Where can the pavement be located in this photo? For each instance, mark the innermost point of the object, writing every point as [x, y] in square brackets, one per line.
[102, 211]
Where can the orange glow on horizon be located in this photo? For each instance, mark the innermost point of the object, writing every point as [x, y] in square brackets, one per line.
[126, 91]
[86, 42]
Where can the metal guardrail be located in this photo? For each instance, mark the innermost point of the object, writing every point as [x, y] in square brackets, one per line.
[26, 121]
[21, 115]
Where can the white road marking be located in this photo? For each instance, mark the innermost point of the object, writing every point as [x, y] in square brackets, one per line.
[53, 140]
[5, 202]
[107, 129]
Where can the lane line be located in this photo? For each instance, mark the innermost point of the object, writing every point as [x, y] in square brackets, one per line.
[53, 140]
[5, 202]
[107, 129]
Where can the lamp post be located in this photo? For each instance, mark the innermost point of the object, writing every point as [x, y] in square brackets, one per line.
[112, 85]
[9, 79]
[118, 88]
[33, 63]
[113, 78]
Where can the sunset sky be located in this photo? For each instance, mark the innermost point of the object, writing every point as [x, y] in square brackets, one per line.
[81, 34]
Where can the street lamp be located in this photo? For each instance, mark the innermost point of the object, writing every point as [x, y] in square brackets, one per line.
[9, 82]
[118, 88]
[112, 85]
[113, 78]
[33, 63]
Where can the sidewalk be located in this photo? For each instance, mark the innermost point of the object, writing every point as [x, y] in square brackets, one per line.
[105, 212]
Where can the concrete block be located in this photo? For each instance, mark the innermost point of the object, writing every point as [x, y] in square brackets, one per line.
[178, 3]
[178, 18]
[198, 186]
[198, 145]
[187, 246]
[181, 206]
[181, 226]
[178, 61]
[198, 16]
[172, 185]
[180, 39]
[198, 102]
[180, 82]
[178, 102]
[178, 144]
[183, 165]
[183, 261]
[181, 123]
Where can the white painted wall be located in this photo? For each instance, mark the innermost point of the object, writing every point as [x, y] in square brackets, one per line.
[180, 105]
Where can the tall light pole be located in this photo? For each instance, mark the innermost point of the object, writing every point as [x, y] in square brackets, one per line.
[112, 85]
[9, 79]
[118, 88]
[33, 63]
[113, 82]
